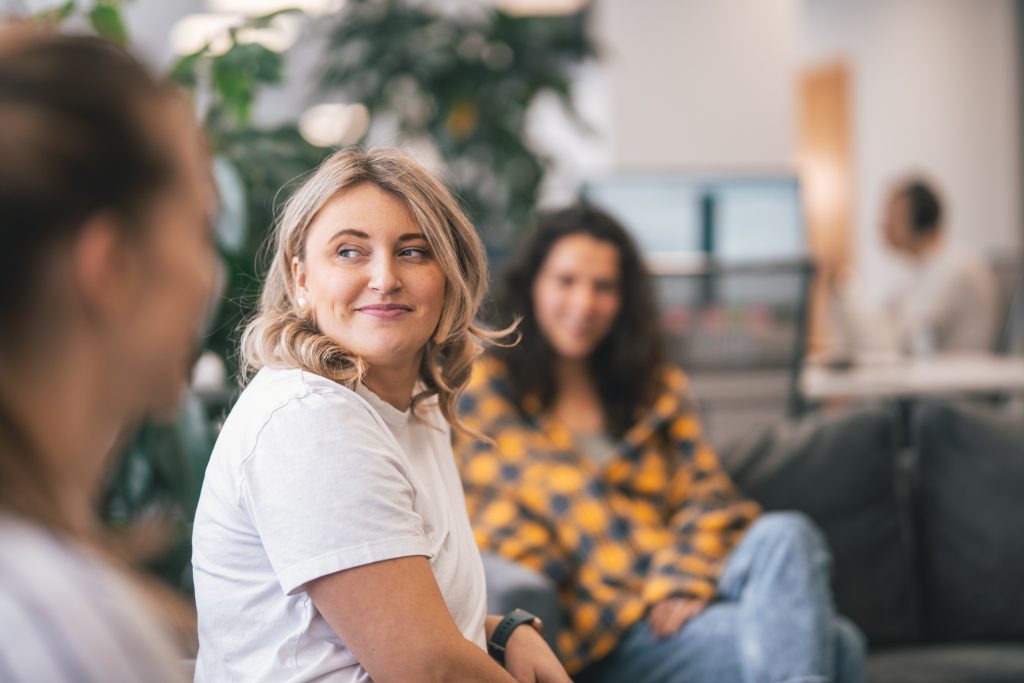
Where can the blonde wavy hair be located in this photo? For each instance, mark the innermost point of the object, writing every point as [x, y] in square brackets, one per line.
[283, 334]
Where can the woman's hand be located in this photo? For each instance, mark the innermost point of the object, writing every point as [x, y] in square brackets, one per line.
[669, 615]
[530, 660]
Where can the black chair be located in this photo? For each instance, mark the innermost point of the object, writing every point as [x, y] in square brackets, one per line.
[739, 331]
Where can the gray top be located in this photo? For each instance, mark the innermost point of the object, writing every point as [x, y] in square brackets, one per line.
[598, 446]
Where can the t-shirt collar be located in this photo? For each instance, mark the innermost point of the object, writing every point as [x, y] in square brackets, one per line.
[390, 414]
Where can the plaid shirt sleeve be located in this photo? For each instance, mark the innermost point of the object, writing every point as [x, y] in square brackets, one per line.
[705, 511]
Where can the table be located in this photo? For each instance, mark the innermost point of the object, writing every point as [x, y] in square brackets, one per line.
[904, 378]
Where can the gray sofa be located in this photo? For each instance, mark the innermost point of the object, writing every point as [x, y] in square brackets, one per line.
[927, 540]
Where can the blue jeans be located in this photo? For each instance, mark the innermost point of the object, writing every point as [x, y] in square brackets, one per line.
[772, 621]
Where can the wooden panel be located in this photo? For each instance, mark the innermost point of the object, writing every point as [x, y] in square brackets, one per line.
[826, 175]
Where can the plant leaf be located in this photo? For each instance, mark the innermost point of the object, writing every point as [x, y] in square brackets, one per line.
[57, 14]
[106, 20]
[266, 20]
[184, 70]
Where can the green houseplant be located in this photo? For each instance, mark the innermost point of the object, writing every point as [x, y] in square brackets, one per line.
[465, 82]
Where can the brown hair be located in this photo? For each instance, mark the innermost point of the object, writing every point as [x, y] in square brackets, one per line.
[73, 143]
[77, 140]
[627, 364]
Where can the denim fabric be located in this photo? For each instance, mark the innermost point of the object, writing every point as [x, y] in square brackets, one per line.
[771, 622]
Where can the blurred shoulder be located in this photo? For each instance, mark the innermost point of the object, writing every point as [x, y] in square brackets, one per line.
[71, 616]
[486, 369]
[488, 394]
[674, 380]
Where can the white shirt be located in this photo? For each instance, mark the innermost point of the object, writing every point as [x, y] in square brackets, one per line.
[67, 617]
[309, 478]
[948, 301]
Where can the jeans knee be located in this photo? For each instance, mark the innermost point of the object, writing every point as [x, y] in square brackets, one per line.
[794, 531]
[848, 637]
[851, 651]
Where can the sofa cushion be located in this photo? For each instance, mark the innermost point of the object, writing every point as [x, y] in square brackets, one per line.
[993, 663]
[843, 472]
[971, 493]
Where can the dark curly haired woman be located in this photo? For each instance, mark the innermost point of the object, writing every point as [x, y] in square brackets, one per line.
[598, 477]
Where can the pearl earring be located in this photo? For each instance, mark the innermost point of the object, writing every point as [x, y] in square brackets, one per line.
[302, 302]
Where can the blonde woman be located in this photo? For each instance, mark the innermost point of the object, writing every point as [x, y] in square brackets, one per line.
[332, 539]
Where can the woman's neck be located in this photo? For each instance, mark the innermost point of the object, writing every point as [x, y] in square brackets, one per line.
[66, 412]
[394, 384]
[577, 401]
[573, 374]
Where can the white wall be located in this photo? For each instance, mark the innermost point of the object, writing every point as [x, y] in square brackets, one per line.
[935, 89]
[712, 84]
[700, 82]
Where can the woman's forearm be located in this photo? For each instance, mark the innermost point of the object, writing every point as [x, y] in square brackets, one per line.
[467, 664]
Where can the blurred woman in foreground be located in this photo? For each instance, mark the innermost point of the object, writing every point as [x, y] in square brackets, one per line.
[600, 478]
[107, 267]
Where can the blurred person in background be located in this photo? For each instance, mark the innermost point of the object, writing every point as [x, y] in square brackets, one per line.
[599, 478]
[946, 300]
[107, 267]
[331, 539]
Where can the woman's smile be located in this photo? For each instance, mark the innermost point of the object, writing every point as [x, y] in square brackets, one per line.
[385, 311]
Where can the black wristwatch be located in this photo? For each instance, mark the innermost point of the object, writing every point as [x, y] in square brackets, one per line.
[499, 639]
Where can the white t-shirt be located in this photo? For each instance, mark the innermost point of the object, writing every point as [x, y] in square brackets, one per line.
[309, 478]
[66, 617]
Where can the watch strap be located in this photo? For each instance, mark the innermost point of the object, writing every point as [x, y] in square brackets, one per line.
[498, 643]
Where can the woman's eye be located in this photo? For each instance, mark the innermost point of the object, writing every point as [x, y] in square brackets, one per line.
[415, 252]
[347, 252]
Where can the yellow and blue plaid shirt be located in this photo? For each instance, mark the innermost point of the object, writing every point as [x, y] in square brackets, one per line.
[656, 520]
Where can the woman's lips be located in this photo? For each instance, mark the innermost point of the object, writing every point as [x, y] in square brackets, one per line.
[385, 311]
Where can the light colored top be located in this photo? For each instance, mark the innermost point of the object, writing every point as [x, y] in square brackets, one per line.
[65, 616]
[946, 302]
[309, 478]
[597, 446]
[901, 377]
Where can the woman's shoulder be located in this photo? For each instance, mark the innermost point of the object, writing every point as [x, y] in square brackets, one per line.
[487, 370]
[274, 390]
[488, 382]
[674, 379]
[279, 402]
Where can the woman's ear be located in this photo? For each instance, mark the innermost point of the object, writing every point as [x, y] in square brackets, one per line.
[104, 268]
[299, 281]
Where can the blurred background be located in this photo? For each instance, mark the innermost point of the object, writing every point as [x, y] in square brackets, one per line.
[750, 145]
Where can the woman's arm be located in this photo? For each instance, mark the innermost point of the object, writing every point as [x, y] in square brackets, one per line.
[391, 615]
[706, 513]
[528, 657]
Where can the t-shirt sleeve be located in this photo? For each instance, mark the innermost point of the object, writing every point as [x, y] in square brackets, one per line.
[327, 490]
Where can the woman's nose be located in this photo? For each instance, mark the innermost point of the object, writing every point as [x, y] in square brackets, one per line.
[384, 277]
[583, 300]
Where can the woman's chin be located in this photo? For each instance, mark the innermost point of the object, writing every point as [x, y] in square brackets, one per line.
[575, 352]
[391, 356]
